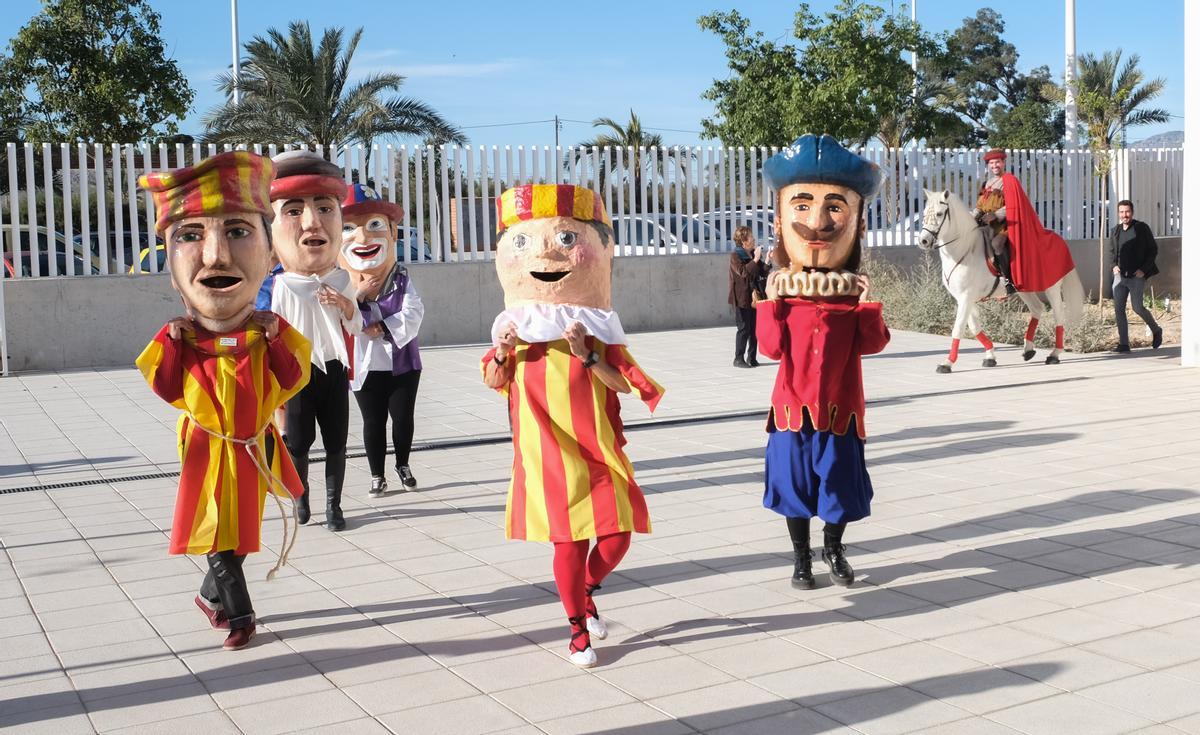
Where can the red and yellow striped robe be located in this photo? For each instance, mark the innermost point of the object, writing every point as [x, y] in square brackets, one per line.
[231, 385]
[571, 479]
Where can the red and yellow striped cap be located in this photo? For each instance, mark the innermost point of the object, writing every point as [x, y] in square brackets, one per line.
[235, 181]
[536, 201]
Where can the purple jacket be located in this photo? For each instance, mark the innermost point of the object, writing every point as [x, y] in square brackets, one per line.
[386, 310]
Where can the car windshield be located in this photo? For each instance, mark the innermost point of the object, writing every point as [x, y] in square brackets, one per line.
[693, 230]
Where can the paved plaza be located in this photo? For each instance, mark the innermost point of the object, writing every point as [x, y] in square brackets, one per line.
[1030, 567]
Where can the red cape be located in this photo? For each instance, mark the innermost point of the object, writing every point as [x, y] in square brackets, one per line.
[1040, 258]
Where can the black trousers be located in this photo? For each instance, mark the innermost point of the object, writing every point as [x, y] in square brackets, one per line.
[225, 583]
[324, 402]
[383, 395]
[747, 340]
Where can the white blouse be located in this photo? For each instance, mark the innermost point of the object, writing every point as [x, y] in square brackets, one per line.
[547, 322]
[295, 299]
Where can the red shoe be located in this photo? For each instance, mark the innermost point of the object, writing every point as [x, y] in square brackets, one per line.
[216, 616]
[239, 639]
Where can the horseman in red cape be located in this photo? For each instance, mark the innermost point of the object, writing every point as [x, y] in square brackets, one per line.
[1030, 257]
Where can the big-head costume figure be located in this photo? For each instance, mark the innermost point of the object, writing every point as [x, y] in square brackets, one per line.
[560, 356]
[817, 323]
[228, 367]
[317, 298]
[387, 360]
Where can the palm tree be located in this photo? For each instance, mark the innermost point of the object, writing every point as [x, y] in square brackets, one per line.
[630, 135]
[295, 91]
[1110, 100]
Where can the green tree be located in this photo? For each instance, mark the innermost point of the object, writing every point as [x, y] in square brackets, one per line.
[1029, 125]
[981, 69]
[847, 73]
[1110, 97]
[94, 70]
[294, 90]
[628, 135]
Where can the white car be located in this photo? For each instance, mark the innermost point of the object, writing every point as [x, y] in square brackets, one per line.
[638, 235]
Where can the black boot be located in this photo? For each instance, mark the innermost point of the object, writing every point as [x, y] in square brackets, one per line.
[335, 473]
[802, 576]
[303, 512]
[834, 554]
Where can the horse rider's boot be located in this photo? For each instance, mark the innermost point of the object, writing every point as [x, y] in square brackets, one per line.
[303, 513]
[335, 474]
[1003, 261]
[834, 555]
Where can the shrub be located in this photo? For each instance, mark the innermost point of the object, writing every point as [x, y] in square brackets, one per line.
[917, 301]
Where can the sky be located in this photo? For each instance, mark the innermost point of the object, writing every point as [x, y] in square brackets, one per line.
[486, 65]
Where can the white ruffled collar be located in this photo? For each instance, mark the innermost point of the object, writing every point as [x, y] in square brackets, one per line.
[547, 322]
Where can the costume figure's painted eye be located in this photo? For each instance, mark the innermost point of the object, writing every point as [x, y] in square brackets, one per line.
[520, 241]
[377, 224]
[565, 239]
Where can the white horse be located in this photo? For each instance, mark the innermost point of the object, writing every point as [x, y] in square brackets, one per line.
[949, 228]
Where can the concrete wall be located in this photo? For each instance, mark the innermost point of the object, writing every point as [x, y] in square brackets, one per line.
[102, 321]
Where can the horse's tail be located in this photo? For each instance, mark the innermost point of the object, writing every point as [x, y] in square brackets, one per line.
[1072, 295]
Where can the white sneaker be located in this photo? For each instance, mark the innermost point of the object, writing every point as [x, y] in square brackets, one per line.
[597, 628]
[584, 659]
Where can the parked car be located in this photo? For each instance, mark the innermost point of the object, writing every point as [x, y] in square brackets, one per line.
[694, 232]
[160, 254]
[84, 263]
[122, 242]
[637, 235]
[760, 221]
[418, 250]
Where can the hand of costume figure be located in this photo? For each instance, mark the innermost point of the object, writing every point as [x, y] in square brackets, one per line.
[372, 331]
[772, 290]
[370, 284]
[1117, 269]
[180, 324]
[1139, 273]
[508, 341]
[575, 335]
[988, 218]
[864, 282]
[269, 322]
[329, 296]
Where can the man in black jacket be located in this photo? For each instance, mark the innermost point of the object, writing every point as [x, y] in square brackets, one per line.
[1132, 250]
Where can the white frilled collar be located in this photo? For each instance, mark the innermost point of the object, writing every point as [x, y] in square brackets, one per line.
[547, 322]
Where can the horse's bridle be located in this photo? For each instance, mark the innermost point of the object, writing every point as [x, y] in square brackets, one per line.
[935, 232]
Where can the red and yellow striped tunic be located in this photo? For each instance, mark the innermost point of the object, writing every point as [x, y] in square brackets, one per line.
[571, 479]
[229, 384]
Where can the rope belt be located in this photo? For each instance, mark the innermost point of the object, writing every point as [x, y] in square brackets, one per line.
[253, 450]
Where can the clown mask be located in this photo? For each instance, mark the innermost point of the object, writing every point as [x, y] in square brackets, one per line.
[368, 245]
[819, 224]
[556, 260]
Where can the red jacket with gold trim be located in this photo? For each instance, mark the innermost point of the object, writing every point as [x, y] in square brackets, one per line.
[819, 345]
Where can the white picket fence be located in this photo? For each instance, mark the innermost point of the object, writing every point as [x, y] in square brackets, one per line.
[61, 196]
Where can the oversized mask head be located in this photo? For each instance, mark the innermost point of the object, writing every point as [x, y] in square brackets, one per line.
[821, 192]
[215, 218]
[555, 247]
[368, 247]
[306, 197]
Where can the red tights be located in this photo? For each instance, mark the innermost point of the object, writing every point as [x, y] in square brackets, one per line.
[576, 572]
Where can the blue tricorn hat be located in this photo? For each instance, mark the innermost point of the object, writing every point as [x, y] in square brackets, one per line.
[822, 160]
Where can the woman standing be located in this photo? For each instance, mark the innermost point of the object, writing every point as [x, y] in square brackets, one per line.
[746, 271]
[387, 359]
